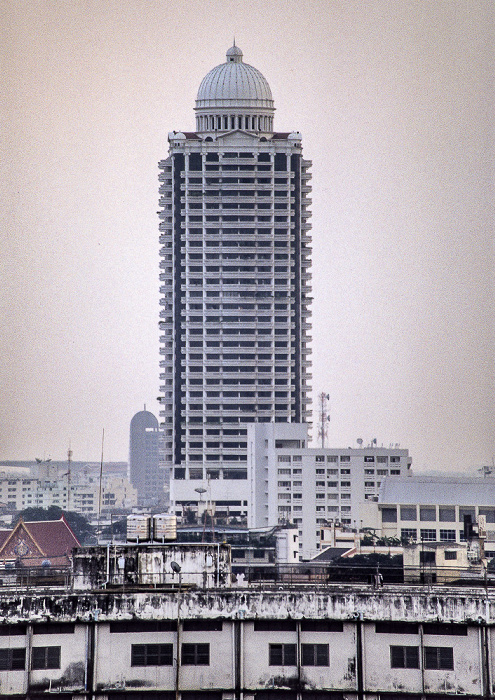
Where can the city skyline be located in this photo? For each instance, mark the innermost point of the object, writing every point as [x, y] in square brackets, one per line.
[396, 121]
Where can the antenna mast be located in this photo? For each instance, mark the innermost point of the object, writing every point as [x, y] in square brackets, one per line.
[324, 416]
[69, 458]
[101, 476]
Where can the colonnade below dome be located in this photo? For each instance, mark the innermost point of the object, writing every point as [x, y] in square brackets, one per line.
[228, 122]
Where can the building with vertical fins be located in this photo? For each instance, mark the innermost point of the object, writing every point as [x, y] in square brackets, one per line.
[235, 286]
[144, 463]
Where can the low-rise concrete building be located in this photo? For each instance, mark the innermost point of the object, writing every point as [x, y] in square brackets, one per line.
[433, 508]
[297, 643]
[444, 562]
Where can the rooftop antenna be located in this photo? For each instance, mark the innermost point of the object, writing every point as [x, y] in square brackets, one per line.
[101, 475]
[69, 458]
[324, 417]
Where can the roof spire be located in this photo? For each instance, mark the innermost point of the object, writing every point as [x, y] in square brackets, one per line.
[234, 54]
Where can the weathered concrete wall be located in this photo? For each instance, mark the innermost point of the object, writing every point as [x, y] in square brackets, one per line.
[202, 565]
[337, 602]
[96, 654]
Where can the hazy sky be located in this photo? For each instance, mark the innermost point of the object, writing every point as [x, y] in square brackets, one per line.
[395, 102]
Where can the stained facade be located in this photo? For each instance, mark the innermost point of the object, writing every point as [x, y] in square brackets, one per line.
[341, 642]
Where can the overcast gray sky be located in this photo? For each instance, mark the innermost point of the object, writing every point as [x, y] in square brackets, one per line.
[395, 102]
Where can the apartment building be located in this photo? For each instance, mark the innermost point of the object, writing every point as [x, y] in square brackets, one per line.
[290, 481]
[235, 294]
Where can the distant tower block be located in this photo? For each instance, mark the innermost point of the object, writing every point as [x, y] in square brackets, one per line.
[145, 473]
[235, 285]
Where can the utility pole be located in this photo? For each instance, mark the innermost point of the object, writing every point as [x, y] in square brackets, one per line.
[324, 417]
[69, 458]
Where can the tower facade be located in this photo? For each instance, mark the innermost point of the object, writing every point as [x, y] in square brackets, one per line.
[235, 294]
[144, 462]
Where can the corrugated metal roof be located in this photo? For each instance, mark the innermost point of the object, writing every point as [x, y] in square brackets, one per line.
[433, 490]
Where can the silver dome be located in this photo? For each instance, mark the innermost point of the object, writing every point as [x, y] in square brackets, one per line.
[234, 84]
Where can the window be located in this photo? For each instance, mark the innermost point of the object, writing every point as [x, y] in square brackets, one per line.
[12, 659]
[450, 556]
[427, 557]
[125, 626]
[439, 658]
[282, 655]
[427, 513]
[389, 515]
[489, 514]
[321, 626]
[314, 654]
[404, 657]
[45, 657]
[463, 512]
[9, 630]
[196, 654]
[274, 625]
[445, 628]
[151, 654]
[54, 628]
[428, 535]
[408, 533]
[203, 625]
[447, 535]
[446, 514]
[396, 628]
[408, 513]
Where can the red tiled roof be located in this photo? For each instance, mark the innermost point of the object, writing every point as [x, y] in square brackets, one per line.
[54, 537]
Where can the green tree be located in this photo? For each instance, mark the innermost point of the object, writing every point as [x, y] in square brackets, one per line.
[77, 522]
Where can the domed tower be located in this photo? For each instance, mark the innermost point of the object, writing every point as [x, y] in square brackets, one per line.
[145, 473]
[232, 96]
[235, 289]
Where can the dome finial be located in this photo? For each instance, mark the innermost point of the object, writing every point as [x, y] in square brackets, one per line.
[234, 54]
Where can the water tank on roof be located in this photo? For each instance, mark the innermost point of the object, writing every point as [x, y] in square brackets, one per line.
[138, 528]
[164, 527]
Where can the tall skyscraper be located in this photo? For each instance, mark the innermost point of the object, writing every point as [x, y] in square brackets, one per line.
[144, 463]
[235, 294]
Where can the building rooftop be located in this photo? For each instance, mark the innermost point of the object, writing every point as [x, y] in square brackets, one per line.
[436, 490]
[234, 83]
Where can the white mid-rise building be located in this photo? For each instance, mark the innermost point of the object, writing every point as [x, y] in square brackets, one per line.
[290, 481]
